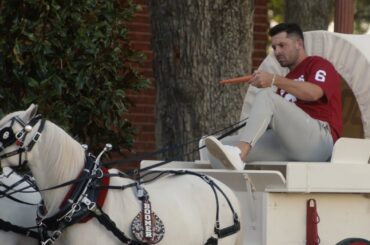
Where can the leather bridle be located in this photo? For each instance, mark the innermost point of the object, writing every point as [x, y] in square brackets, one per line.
[8, 137]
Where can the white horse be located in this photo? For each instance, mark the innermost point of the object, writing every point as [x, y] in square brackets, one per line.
[19, 214]
[186, 204]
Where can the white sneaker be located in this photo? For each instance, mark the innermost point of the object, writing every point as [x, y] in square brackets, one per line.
[227, 154]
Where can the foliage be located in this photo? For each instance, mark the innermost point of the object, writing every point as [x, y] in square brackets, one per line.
[362, 16]
[276, 10]
[72, 58]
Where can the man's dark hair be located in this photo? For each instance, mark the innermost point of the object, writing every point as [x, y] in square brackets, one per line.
[289, 28]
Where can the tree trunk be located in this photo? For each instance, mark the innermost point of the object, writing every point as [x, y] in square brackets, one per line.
[310, 15]
[195, 45]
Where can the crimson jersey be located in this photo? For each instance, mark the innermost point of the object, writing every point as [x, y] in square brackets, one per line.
[328, 108]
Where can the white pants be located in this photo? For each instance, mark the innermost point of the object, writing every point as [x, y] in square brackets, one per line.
[278, 130]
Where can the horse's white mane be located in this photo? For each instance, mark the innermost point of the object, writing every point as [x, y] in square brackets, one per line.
[55, 158]
[58, 153]
[66, 156]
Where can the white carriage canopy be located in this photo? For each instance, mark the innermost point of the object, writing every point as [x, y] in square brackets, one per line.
[350, 54]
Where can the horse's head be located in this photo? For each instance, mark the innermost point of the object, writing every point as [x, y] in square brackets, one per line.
[17, 135]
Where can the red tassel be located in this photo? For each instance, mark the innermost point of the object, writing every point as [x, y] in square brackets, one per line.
[313, 219]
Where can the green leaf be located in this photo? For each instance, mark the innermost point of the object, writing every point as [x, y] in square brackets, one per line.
[32, 82]
[66, 56]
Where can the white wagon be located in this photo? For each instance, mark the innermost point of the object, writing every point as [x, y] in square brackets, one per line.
[287, 202]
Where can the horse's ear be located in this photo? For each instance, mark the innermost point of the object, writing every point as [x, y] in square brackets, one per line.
[31, 111]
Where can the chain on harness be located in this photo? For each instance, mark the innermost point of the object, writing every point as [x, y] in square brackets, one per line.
[82, 205]
[78, 205]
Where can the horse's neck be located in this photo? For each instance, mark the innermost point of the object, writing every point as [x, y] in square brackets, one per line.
[55, 159]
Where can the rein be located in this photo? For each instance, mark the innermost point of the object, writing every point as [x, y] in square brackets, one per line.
[224, 132]
[6, 193]
[52, 227]
[83, 202]
[194, 150]
[13, 187]
[8, 226]
[221, 233]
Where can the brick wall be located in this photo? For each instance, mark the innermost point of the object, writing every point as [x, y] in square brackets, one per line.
[143, 114]
[260, 38]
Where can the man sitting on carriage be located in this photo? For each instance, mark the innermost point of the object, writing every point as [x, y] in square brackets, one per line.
[301, 120]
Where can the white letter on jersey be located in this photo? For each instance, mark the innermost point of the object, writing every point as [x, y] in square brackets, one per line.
[320, 76]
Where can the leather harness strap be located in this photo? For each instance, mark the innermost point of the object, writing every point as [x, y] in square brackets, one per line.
[220, 233]
[83, 200]
[7, 226]
[109, 224]
[82, 197]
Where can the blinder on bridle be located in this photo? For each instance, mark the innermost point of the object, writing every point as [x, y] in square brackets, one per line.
[8, 137]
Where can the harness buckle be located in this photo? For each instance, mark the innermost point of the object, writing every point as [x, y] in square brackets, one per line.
[76, 207]
[40, 224]
[36, 137]
[217, 225]
[90, 205]
[56, 234]
[98, 173]
[206, 179]
[47, 242]
[19, 136]
[140, 191]
[68, 216]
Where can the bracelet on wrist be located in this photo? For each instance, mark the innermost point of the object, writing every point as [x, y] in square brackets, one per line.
[273, 80]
